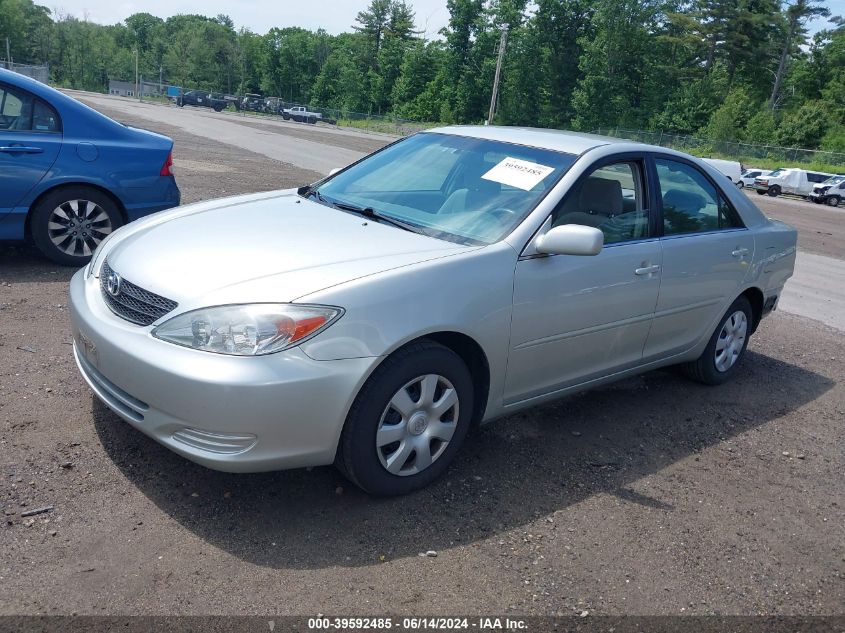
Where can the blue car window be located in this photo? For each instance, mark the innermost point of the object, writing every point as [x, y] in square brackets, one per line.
[21, 111]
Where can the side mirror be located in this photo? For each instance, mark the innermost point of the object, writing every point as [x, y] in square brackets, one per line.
[571, 239]
[334, 171]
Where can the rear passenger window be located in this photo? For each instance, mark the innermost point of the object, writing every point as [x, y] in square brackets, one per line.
[21, 111]
[691, 203]
[611, 198]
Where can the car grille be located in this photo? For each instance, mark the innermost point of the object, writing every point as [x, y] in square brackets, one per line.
[132, 302]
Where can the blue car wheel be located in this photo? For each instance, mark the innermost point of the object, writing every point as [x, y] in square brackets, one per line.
[68, 224]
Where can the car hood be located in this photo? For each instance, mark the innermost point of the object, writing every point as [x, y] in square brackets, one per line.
[266, 248]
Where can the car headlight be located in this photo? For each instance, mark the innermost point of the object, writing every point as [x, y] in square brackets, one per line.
[247, 330]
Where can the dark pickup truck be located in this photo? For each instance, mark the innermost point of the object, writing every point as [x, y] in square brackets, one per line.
[202, 99]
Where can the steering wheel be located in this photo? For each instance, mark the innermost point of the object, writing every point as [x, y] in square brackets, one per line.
[502, 213]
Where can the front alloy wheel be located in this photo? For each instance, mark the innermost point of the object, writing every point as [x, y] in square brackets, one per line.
[408, 421]
[417, 425]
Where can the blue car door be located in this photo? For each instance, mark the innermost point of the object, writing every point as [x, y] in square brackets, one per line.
[30, 140]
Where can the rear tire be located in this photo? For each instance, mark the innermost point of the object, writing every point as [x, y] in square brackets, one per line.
[760, 193]
[774, 191]
[725, 350]
[414, 379]
[69, 223]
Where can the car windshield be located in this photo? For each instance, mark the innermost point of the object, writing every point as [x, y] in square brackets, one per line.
[834, 180]
[777, 172]
[467, 190]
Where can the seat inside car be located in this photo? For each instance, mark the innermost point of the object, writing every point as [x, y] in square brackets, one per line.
[476, 192]
[597, 200]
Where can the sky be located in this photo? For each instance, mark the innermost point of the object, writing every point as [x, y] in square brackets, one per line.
[335, 16]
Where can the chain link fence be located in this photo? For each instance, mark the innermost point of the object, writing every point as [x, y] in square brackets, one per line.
[743, 152]
[39, 73]
[261, 106]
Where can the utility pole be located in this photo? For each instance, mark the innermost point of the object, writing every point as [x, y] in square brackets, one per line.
[494, 98]
[8, 54]
[136, 72]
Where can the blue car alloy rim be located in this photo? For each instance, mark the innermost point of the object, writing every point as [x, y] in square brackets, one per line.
[76, 227]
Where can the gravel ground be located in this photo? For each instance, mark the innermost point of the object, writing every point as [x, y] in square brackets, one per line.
[651, 496]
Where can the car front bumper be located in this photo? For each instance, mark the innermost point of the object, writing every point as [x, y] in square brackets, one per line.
[236, 414]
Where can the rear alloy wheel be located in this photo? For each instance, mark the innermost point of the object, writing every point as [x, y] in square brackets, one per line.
[68, 224]
[408, 420]
[720, 359]
[774, 191]
[833, 201]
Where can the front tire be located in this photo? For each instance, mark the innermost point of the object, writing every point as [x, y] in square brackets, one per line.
[408, 421]
[69, 223]
[833, 201]
[721, 358]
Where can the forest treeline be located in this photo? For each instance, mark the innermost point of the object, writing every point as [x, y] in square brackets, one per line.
[720, 69]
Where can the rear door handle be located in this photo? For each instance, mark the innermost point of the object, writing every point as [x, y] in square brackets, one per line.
[21, 149]
[647, 270]
[740, 252]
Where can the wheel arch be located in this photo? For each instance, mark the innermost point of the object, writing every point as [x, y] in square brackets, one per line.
[756, 299]
[468, 350]
[65, 185]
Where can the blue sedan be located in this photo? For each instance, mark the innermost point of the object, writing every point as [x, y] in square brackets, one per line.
[69, 175]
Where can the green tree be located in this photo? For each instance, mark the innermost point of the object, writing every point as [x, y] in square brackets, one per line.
[797, 15]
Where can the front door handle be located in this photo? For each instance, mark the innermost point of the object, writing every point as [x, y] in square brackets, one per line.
[740, 252]
[647, 270]
[21, 149]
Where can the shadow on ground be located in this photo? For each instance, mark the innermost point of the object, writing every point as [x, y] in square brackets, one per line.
[509, 473]
[21, 262]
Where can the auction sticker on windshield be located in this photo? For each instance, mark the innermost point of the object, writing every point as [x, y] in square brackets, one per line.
[518, 173]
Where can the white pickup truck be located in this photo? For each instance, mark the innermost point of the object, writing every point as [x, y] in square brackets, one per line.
[797, 182]
[301, 115]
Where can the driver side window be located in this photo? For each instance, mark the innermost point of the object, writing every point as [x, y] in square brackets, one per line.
[611, 198]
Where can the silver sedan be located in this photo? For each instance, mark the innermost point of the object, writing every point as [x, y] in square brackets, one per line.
[454, 277]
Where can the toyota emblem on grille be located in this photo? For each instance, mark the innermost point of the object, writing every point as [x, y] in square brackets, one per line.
[113, 282]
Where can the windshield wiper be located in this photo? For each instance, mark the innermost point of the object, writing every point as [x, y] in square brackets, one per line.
[369, 212]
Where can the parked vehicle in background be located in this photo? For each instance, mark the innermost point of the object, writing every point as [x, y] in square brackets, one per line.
[301, 114]
[455, 277]
[831, 191]
[793, 181]
[252, 103]
[730, 168]
[748, 176]
[69, 176]
[273, 105]
[202, 99]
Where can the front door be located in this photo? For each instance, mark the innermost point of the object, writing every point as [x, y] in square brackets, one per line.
[578, 318]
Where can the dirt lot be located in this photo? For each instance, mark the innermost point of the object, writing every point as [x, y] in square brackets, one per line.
[653, 496]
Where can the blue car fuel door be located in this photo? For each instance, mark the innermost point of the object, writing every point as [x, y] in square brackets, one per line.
[30, 140]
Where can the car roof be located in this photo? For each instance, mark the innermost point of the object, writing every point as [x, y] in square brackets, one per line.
[557, 140]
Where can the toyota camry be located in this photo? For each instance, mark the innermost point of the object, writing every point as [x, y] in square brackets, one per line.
[449, 279]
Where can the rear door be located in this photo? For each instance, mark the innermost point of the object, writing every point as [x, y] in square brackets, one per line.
[30, 140]
[707, 253]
